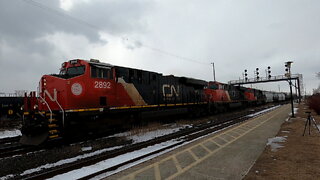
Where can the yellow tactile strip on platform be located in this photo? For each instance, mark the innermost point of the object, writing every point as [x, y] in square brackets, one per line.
[186, 159]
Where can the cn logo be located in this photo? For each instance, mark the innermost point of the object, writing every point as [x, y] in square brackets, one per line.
[76, 89]
[54, 98]
[169, 91]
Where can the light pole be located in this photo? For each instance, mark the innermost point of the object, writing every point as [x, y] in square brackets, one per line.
[214, 72]
[288, 74]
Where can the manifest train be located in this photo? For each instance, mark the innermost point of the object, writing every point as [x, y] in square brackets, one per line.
[92, 94]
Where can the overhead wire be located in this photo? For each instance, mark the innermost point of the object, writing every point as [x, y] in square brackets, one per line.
[94, 27]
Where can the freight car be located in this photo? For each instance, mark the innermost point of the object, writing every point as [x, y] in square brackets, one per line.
[275, 97]
[91, 95]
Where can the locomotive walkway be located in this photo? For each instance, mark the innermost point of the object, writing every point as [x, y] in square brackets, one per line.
[228, 154]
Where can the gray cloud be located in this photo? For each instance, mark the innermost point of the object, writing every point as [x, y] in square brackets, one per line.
[25, 56]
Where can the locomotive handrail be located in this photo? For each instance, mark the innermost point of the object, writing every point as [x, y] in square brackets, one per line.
[47, 106]
[62, 112]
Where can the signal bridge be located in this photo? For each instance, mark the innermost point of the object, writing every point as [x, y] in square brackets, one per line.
[266, 79]
[286, 77]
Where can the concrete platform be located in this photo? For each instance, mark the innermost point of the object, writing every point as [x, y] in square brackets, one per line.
[228, 154]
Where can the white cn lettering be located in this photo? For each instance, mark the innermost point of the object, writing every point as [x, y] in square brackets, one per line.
[172, 91]
[54, 98]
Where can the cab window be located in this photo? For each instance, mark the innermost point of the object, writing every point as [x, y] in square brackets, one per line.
[101, 72]
[75, 71]
[213, 86]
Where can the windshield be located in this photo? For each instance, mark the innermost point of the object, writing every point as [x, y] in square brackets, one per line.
[213, 86]
[74, 71]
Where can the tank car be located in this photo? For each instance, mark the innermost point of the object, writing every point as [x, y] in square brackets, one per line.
[93, 95]
[268, 96]
[282, 97]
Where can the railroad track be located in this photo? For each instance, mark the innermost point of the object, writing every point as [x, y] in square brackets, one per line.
[10, 140]
[185, 135]
[14, 149]
[11, 147]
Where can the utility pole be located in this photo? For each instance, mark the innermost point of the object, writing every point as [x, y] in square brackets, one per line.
[214, 72]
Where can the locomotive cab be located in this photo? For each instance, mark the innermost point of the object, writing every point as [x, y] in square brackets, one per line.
[250, 95]
[80, 86]
[216, 92]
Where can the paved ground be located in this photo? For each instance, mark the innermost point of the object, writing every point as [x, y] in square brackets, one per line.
[226, 155]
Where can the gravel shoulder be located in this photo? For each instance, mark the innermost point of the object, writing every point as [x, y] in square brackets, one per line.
[290, 155]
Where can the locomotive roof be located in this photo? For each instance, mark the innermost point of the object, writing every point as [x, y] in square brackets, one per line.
[100, 63]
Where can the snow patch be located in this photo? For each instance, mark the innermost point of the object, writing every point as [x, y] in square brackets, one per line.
[86, 148]
[66, 161]
[295, 110]
[263, 111]
[9, 133]
[7, 177]
[285, 131]
[273, 142]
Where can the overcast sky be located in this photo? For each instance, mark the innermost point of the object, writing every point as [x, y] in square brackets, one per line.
[176, 37]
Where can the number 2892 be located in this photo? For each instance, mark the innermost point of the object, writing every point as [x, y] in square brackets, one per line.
[102, 85]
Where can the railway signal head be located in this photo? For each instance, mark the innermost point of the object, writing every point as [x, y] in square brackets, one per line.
[245, 75]
[269, 72]
[288, 64]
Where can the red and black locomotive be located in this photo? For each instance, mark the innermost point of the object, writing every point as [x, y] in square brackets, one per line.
[88, 94]
[85, 92]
